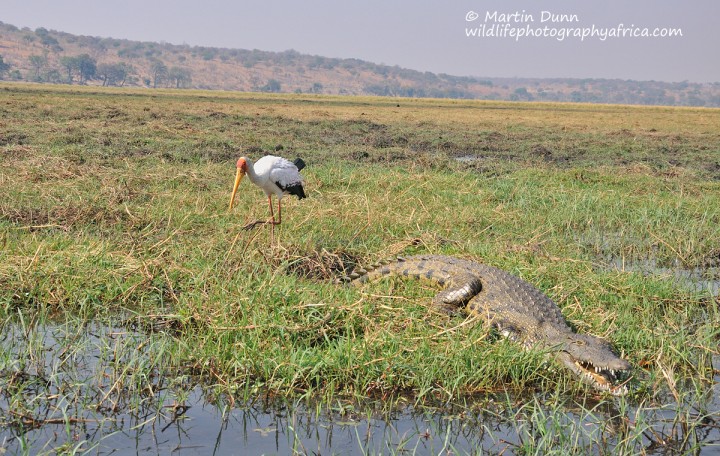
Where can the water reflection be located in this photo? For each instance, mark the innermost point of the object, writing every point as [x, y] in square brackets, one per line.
[71, 389]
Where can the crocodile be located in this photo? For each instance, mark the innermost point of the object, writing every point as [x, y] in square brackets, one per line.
[516, 308]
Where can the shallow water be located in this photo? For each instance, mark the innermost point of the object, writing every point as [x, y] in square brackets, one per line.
[76, 394]
[699, 280]
[205, 429]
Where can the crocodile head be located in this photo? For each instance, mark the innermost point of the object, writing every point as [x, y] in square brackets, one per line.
[593, 361]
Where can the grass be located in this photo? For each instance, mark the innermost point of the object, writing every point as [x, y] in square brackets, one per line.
[115, 211]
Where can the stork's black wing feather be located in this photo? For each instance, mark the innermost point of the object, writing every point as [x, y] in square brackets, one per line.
[295, 189]
[299, 163]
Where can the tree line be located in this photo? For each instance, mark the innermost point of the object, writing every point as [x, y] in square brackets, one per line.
[80, 69]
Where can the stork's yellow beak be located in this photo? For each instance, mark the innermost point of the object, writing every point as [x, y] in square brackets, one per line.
[238, 177]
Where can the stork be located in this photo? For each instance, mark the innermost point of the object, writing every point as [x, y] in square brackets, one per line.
[276, 176]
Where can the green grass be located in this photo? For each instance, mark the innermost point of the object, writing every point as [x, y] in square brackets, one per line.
[115, 205]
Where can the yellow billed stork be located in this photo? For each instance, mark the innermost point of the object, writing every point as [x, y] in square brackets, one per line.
[276, 176]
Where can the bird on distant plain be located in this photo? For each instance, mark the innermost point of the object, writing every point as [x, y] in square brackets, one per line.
[276, 176]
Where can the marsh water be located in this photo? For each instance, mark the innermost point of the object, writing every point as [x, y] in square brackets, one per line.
[97, 389]
[700, 280]
[68, 389]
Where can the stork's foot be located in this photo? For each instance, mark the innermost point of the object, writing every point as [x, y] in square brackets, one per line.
[252, 225]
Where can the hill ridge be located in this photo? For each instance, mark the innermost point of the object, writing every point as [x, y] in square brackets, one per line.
[59, 57]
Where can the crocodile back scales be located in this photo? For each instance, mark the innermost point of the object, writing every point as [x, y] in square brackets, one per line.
[501, 293]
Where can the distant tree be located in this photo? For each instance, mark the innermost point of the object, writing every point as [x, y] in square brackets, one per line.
[69, 64]
[159, 72]
[208, 53]
[316, 62]
[53, 76]
[38, 63]
[316, 88]
[179, 77]
[84, 65]
[272, 85]
[47, 40]
[377, 89]
[11, 27]
[105, 73]
[87, 66]
[114, 74]
[97, 45]
[128, 53]
[4, 67]
[521, 93]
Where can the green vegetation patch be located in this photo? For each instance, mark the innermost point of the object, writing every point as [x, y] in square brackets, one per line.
[115, 210]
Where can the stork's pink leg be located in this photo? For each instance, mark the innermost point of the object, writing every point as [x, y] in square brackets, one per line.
[272, 222]
[272, 216]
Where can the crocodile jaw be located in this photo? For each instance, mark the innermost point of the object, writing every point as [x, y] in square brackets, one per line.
[601, 378]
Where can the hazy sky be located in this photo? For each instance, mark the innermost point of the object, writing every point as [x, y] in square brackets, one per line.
[427, 35]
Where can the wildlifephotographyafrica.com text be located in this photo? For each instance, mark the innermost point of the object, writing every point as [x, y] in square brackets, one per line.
[520, 25]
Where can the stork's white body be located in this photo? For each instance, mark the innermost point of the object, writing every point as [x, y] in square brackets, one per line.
[273, 175]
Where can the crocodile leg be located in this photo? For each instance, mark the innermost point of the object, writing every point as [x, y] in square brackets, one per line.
[459, 290]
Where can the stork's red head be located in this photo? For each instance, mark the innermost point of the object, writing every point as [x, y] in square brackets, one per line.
[242, 164]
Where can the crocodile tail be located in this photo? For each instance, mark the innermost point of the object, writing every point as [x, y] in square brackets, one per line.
[362, 274]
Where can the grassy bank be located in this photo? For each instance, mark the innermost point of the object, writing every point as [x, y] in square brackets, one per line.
[115, 210]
